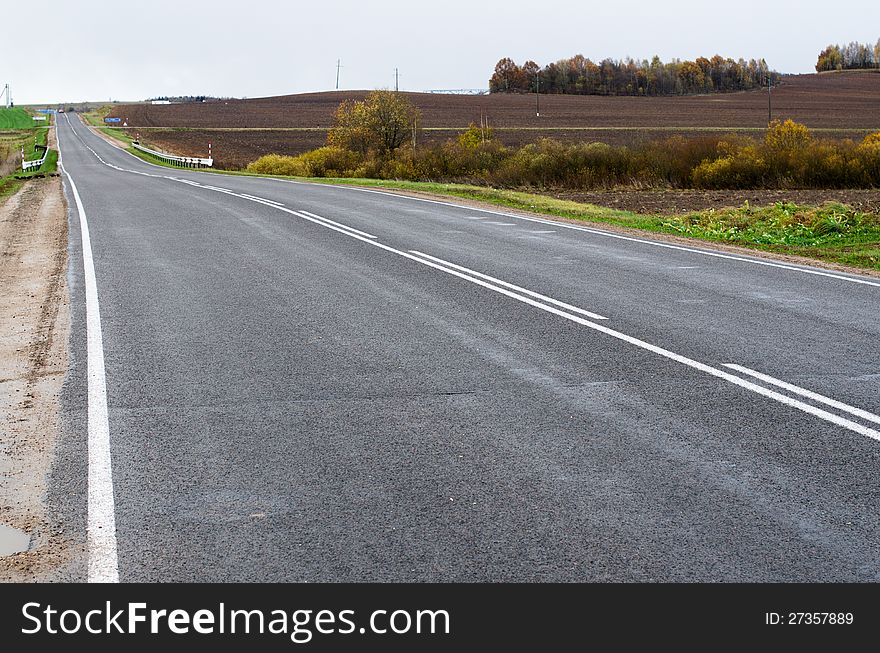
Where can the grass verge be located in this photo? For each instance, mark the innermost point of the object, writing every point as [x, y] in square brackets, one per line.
[118, 134]
[9, 186]
[11, 143]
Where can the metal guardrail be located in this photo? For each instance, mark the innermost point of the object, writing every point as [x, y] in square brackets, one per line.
[182, 161]
[36, 163]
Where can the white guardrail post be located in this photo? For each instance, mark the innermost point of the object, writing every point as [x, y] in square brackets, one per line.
[36, 163]
[182, 161]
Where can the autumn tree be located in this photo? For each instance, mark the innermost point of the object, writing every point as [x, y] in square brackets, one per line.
[581, 76]
[529, 73]
[788, 135]
[505, 77]
[852, 56]
[381, 122]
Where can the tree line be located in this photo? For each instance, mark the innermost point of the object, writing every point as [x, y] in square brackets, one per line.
[181, 99]
[581, 76]
[853, 56]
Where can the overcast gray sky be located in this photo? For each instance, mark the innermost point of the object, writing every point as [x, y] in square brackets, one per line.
[86, 50]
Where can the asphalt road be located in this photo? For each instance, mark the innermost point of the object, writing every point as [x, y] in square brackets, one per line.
[291, 400]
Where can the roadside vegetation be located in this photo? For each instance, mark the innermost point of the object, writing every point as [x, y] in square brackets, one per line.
[95, 118]
[788, 156]
[118, 134]
[33, 140]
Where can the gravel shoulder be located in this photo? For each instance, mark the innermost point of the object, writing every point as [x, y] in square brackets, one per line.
[35, 322]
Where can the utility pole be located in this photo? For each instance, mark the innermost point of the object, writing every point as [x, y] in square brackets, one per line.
[338, 66]
[537, 95]
[396, 85]
[769, 100]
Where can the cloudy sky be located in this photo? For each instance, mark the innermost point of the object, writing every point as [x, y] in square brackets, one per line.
[87, 51]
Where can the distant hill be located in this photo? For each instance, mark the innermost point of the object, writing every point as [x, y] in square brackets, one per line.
[819, 100]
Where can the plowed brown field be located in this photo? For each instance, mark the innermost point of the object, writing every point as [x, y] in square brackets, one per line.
[839, 105]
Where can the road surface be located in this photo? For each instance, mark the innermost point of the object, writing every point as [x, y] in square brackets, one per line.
[312, 383]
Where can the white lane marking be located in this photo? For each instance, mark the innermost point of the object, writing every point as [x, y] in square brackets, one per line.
[598, 232]
[684, 360]
[543, 231]
[253, 197]
[473, 217]
[357, 231]
[103, 563]
[501, 224]
[530, 293]
[815, 396]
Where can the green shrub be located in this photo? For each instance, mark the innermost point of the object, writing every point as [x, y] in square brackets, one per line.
[323, 162]
[475, 136]
[744, 168]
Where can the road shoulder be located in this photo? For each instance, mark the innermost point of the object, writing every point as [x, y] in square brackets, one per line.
[35, 318]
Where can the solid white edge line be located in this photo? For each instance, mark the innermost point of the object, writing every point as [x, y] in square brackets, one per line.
[597, 232]
[684, 360]
[103, 563]
[531, 293]
[552, 223]
[815, 396]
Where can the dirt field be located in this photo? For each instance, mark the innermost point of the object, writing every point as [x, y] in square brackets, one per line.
[832, 101]
[34, 320]
[668, 202]
[839, 105]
